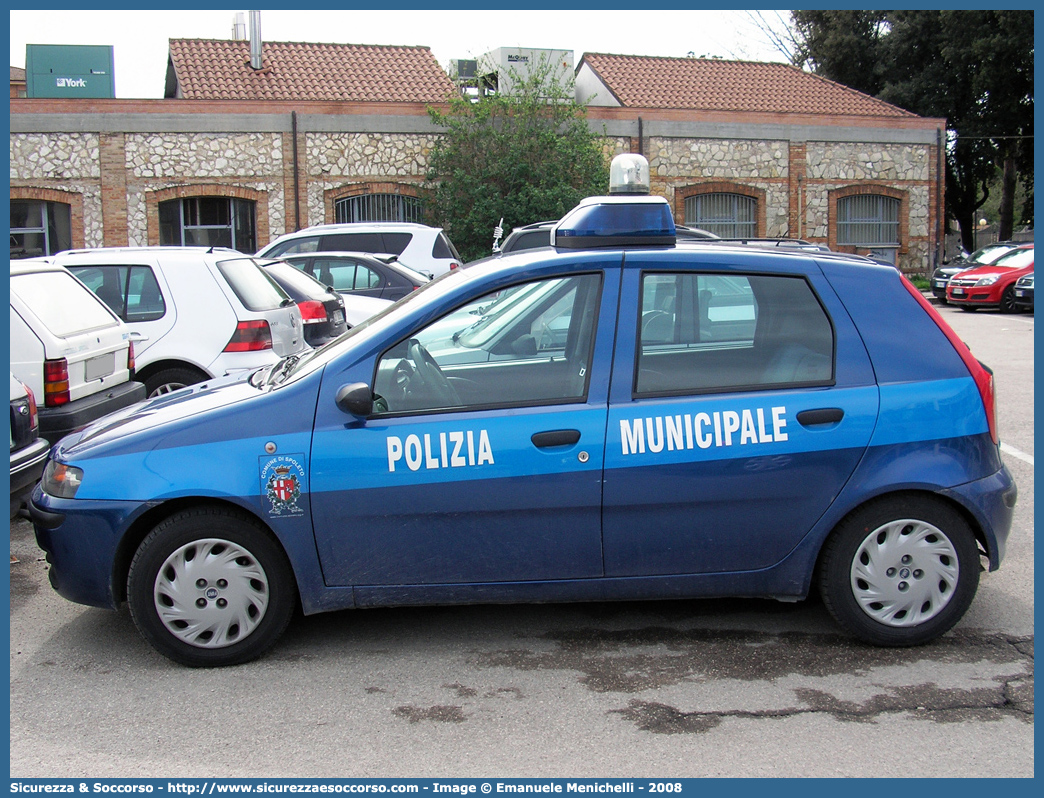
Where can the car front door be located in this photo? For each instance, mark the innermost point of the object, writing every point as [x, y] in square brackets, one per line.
[742, 400]
[482, 461]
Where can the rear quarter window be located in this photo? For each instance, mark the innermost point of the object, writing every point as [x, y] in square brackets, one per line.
[63, 305]
[255, 289]
[443, 248]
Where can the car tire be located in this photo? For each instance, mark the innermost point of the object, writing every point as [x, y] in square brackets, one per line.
[209, 587]
[1007, 302]
[171, 379]
[900, 571]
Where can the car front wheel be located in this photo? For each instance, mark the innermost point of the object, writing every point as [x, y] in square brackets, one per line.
[900, 571]
[210, 587]
[1007, 302]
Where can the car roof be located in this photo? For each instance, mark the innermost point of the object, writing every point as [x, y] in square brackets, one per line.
[345, 227]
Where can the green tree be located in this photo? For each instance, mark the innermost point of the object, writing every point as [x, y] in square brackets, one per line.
[975, 68]
[524, 155]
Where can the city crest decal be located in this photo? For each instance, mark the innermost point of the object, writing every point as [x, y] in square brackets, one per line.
[282, 483]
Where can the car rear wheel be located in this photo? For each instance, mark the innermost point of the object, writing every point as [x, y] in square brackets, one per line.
[172, 379]
[210, 587]
[900, 571]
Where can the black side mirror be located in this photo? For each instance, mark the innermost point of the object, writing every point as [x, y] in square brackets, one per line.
[356, 399]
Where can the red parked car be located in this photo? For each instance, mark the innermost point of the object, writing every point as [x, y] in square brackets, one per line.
[992, 285]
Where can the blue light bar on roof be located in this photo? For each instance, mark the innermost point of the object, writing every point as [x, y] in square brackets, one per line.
[616, 221]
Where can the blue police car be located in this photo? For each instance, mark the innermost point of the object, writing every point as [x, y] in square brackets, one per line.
[618, 417]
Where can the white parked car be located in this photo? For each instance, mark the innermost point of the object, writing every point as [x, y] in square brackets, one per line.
[426, 249]
[197, 313]
[73, 353]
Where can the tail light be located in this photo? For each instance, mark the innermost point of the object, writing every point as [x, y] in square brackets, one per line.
[130, 358]
[34, 418]
[981, 374]
[56, 382]
[312, 312]
[250, 336]
[454, 265]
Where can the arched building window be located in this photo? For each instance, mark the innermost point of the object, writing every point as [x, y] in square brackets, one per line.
[868, 220]
[208, 222]
[39, 227]
[378, 207]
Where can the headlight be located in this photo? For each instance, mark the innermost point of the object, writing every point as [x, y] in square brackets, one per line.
[61, 480]
[988, 280]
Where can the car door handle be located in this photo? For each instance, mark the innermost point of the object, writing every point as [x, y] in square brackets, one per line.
[557, 437]
[824, 415]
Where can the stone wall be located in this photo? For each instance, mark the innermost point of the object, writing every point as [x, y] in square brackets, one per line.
[336, 162]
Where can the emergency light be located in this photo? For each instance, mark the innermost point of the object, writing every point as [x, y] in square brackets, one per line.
[629, 217]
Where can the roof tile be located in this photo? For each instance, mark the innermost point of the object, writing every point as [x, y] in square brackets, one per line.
[208, 69]
[702, 84]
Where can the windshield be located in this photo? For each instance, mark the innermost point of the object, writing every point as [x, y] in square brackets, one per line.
[1019, 259]
[989, 253]
[316, 357]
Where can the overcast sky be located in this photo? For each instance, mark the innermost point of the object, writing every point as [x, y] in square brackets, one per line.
[140, 37]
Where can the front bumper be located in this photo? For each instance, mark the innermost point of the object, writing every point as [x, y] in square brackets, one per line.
[81, 540]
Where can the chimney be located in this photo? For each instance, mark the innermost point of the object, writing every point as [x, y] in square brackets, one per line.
[255, 39]
[239, 28]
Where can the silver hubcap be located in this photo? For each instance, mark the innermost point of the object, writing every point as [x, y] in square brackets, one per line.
[167, 387]
[904, 573]
[211, 593]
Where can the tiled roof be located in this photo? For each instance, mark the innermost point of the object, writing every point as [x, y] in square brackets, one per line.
[207, 69]
[17, 74]
[702, 84]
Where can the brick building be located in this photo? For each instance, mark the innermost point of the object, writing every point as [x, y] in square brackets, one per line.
[321, 133]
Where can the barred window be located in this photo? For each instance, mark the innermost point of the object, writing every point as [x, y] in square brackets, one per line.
[868, 220]
[377, 208]
[725, 215]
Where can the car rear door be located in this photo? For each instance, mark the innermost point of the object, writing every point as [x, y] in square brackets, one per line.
[742, 400]
[136, 292]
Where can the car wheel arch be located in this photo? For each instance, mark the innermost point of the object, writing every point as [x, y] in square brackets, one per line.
[907, 494]
[156, 366]
[141, 526]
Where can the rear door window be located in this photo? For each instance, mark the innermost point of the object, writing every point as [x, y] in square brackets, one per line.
[304, 244]
[63, 305]
[395, 243]
[353, 242]
[131, 292]
[702, 333]
[255, 289]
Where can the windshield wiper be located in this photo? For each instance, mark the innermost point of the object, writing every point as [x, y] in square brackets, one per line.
[281, 370]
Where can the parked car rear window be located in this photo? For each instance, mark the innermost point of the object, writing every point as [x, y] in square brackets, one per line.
[255, 289]
[62, 303]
